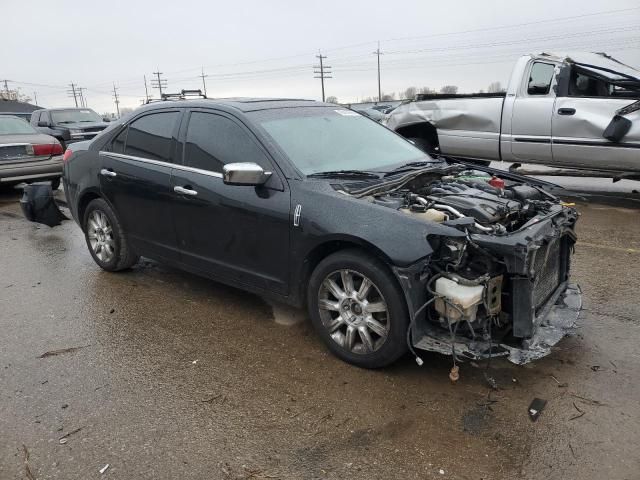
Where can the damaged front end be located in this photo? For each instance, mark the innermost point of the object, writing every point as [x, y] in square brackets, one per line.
[502, 287]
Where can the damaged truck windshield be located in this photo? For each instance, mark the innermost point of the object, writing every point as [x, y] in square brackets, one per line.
[389, 249]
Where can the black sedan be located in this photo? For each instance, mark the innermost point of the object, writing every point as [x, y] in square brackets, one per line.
[26, 155]
[313, 204]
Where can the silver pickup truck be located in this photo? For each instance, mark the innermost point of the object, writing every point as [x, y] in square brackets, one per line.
[578, 111]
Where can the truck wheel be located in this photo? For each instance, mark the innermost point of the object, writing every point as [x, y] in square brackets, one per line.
[106, 239]
[357, 307]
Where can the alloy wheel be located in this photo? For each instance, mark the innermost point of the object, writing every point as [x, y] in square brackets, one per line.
[100, 234]
[353, 311]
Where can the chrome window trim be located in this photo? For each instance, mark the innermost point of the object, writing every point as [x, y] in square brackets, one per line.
[162, 164]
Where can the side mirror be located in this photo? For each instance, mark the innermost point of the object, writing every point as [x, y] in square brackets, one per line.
[246, 173]
[617, 128]
[42, 123]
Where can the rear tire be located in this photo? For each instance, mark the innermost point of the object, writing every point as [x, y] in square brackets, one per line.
[106, 239]
[366, 327]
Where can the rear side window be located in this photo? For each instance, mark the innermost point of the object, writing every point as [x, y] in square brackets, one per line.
[213, 141]
[117, 146]
[540, 78]
[151, 136]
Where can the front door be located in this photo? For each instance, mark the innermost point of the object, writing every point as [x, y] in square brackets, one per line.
[135, 177]
[579, 120]
[236, 233]
[531, 118]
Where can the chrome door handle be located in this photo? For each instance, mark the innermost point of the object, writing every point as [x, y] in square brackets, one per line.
[108, 173]
[185, 191]
[566, 111]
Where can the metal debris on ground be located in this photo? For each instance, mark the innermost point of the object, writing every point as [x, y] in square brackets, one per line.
[27, 468]
[560, 385]
[536, 407]
[53, 353]
[63, 439]
[580, 412]
[104, 469]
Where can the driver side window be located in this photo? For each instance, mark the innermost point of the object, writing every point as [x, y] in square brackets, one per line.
[540, 78]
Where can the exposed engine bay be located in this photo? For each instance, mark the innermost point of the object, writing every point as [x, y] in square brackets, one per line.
[501, 287]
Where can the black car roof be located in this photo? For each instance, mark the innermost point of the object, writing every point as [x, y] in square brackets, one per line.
[242, 104]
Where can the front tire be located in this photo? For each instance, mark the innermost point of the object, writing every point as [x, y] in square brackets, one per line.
[106, 239]
[358, 309]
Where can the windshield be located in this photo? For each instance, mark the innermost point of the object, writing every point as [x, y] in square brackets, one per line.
[75, 116]
[14, 125]
[329, 139]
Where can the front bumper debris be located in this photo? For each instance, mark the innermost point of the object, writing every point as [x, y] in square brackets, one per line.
[559, 322]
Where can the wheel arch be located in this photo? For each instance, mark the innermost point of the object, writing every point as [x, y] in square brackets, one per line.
[424, 130]
[83, 201]
[330, 246]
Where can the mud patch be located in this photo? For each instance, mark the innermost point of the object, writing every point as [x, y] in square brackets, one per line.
[287, 315]
[477, 420]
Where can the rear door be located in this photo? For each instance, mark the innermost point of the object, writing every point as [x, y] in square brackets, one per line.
[237, 233]
[135, 177]
[579, 120]
[532, 112]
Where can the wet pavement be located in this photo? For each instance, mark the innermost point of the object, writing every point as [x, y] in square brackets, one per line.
[174, 376]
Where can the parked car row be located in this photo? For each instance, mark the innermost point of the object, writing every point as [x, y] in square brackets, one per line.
[33, 151]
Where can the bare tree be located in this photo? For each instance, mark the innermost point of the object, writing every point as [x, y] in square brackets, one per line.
[449, 89]
[410, 93]
[427, 91]
[332, 99]
[495, 87]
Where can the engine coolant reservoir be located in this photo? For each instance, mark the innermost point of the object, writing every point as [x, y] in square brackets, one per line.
[466, 298]
[430, 214]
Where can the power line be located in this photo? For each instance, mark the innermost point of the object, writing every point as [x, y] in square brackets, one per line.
[159, 82]
[323, 70]
[116, 100]
[377, 53]
[204, 84]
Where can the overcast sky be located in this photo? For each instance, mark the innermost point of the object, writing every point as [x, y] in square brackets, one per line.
[267, 48]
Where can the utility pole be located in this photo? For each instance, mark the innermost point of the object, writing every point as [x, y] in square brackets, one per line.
[6, 87]
[324, 71]
[204, 85]
[115, 96]
[73, 93]
[146, 91]
[159, 83]
[35, 98]
[83, 100]
[378, 53]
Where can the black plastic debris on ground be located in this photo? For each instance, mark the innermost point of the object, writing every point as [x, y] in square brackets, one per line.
[536, 407]
[38, 204]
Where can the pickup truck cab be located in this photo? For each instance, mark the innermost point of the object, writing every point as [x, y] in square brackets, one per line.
[68, 125]
[578, 111]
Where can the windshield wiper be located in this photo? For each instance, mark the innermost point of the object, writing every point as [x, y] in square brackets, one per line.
[65, 121]
[345, 173]
[92, 121]
[410, 166]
